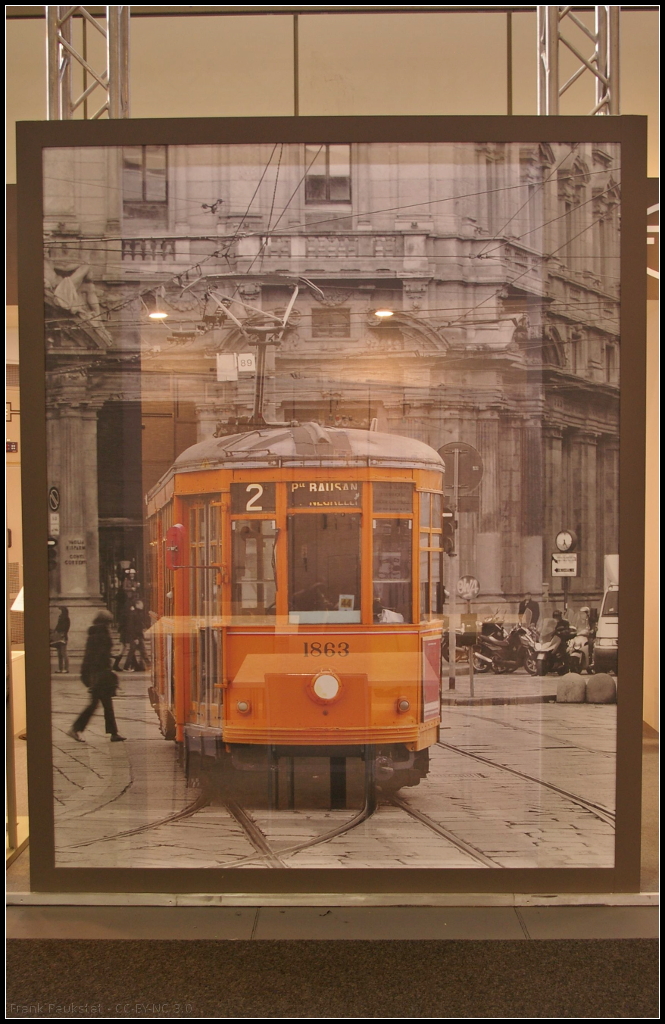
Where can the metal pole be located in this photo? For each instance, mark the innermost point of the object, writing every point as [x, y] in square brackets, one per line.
[259, 387]
[470, 650]
[552, 60]
[113, 60]
[65, 66]
[613, 60]
[10, 761]
[452, 636]
[52, 65]
[296, 68]
[602, 90]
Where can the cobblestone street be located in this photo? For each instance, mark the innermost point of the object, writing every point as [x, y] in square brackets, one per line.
[510, 785]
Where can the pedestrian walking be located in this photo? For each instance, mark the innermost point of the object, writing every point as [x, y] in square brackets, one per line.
[96, 674]
[59, 638]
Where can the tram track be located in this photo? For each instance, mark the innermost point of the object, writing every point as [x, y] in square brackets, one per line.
[600, 812]
[186, 812]
[439, 830]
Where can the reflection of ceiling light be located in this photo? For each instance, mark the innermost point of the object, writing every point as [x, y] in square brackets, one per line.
[158, 316]
[383, 312]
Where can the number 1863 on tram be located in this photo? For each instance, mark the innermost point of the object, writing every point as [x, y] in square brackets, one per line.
[296, 595]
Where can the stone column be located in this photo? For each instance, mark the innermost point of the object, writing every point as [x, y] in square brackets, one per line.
[532, 508]
[608, 504]
[488, 541]
[511, 506]
[74, 434]
[553, 497]
[584, 508]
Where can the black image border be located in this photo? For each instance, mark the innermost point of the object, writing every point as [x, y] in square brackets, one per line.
[32, 139]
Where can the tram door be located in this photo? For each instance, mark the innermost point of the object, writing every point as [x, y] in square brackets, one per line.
[205, 606]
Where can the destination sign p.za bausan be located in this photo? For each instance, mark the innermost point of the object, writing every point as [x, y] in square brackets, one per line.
[324, 494]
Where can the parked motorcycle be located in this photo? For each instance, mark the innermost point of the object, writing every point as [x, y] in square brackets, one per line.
[552, 653]
[467, 643]
[506, 652]
[580, 648]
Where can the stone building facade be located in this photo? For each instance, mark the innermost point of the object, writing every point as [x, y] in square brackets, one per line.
[499, 263]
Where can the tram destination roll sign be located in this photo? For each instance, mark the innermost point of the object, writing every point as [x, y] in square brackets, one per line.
[325, 493]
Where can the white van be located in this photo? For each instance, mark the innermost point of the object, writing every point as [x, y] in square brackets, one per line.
[606, 646]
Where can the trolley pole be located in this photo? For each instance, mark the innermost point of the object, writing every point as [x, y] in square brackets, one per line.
[470, 650]
[452, 637]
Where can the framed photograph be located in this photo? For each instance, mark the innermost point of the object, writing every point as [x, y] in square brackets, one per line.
[330, 453]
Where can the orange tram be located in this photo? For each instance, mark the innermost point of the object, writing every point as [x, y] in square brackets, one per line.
[296, 597]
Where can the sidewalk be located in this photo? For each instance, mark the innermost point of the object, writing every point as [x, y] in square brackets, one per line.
[516, 688]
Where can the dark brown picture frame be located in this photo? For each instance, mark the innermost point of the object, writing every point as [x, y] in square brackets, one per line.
[33, 138]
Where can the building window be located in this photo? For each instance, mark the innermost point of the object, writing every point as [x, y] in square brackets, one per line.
[144, 178]
[610, 364]
[328, 177]
[331, 323]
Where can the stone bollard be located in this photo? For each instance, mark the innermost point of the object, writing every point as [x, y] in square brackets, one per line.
[571, 689]
[601, 689]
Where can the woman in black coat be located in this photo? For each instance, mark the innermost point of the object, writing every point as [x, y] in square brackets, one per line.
[96, 674]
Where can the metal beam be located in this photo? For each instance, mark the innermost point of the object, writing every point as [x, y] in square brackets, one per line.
[602, 63]
[62, 56]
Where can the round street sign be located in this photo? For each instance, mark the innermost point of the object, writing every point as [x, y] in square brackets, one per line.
[470, 466]
[468, 587]
[54, 499]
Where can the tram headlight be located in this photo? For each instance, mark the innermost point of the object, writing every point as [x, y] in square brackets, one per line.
[325, 687]
[244, 707]
[403, 705]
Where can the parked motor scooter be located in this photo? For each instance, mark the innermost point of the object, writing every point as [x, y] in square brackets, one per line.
[552, 652]
[517, 649]
[579, 650]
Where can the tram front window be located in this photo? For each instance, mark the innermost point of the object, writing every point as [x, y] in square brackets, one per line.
[324, 567]
[253, 567]
[393, 540]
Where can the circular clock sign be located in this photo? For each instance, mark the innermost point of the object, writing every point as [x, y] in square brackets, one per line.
[566, 540]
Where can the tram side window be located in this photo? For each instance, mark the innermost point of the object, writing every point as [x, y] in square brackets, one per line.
[324, 567]
[253, 590]
[431, 556]
[392, 539]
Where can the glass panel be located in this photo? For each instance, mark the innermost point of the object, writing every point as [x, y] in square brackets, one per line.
[132, 174]
[339, 161]
[324, 567]
[425, 510]
[315, 189]
[436, 587]
[253, 567]
[424, 584]
[315, 160]
[389, 497]
[171, 435]
[331, 323]
[392, 539]
[437, 511]
[340, 190]
[155, 174]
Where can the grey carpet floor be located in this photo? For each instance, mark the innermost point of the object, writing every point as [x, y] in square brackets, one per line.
[572, 979]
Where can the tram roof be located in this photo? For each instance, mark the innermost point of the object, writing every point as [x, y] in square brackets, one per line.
[308, 444]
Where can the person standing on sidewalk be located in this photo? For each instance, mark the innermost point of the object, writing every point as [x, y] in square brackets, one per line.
[59, 637]
[96, 674]
[528, 611]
